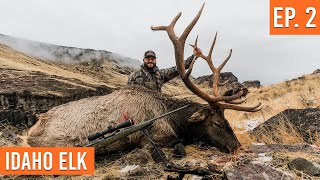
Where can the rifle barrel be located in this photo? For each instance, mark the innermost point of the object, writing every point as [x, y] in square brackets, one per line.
[124, 133]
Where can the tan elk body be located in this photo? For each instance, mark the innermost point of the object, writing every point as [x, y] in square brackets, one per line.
[67, 124]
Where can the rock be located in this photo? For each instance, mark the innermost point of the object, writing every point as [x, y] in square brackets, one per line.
[316, 71]
[224, 76]
[305, 121]
[195, 177]
[230, 88]
[280, 147]
[26, 94]
[173, 176]
[255, 171]
[305, 166]
[252, 84]
[179, 150]
[132, 170]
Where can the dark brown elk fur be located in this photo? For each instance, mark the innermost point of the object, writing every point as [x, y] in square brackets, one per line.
[68, 124]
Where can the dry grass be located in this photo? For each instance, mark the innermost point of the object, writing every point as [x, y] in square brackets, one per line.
[11, 136]
[316, 138]
[299, 93]
[281, 132]
[281, 159]
[12, 59]
[295, 94]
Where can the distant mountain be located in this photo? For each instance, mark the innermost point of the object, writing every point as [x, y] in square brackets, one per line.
[65, 54]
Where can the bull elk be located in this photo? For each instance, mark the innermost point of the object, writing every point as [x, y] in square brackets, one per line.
[69, 124]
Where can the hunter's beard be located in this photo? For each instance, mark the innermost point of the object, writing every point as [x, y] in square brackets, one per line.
[150, 65]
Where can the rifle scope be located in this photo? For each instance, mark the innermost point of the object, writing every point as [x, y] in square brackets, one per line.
[110, 129]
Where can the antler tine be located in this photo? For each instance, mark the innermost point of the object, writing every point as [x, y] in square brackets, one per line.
[224, 83]
[226, 98]
[195, 46]
[188, 29]
[240, 108]
[169, 28]
[208, 58]
[225, 61]
[217, 73]
[212, 46]
[175, 19]
[159, 28]
[237, 102]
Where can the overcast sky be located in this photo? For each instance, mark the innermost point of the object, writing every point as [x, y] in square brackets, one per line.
[123, 26]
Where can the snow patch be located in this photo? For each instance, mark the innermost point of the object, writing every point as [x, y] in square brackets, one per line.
[258, 144]
[252, 123]
[262, 158]
[196, 177]
[129, 168]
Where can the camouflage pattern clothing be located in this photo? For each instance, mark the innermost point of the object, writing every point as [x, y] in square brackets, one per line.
[155, 78]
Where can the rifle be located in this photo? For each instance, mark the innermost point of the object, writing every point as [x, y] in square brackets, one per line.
[110, 129]
[120, 134]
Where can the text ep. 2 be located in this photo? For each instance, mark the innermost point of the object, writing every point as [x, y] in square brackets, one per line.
[288, 14]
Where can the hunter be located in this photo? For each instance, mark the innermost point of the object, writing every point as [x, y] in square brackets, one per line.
[151, 77]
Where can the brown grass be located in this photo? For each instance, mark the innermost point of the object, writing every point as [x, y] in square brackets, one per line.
[316, 140]
[299, 93]
[283, 132]
[11, 136]
[12, 59]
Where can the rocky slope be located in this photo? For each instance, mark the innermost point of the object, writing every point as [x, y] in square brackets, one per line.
[65, 54]
[224, 76]
[30, 86]
[302, 124]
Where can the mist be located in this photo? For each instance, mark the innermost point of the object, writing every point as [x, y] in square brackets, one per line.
[64, 54]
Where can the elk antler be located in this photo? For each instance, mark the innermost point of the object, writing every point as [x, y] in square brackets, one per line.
[217, 101]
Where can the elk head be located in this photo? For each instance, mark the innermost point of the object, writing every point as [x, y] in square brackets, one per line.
[217, 102]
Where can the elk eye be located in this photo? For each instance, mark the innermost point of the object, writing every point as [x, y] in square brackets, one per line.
[217, 124]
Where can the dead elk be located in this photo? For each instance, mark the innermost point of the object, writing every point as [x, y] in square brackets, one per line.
[67, 124]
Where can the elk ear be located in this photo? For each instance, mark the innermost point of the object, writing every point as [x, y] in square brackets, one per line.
[198, 116]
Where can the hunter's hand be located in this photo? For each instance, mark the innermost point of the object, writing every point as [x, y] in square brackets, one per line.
[197, 52]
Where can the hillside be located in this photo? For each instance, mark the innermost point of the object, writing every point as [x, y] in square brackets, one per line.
[65, 54]
[31, 85]
[92, 73]
[297, 93]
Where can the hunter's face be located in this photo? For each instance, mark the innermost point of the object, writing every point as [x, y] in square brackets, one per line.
[150, 62]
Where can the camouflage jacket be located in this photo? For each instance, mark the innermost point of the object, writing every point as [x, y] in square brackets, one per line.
[155, 78]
